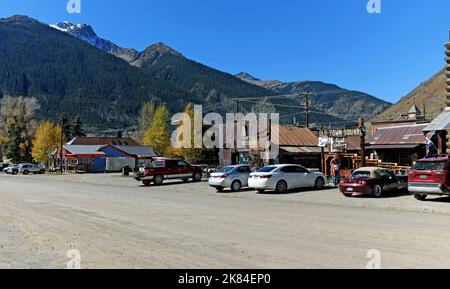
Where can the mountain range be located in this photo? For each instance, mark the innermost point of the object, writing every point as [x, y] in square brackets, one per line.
[69, 68]
[429, 95]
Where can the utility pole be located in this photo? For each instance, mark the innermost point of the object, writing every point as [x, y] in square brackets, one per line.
[307, 109]
[61, 147]
[362, 127]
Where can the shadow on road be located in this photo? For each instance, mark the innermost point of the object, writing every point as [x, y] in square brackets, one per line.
[296, 191]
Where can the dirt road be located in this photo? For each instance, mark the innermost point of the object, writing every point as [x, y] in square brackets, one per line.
[115, 223]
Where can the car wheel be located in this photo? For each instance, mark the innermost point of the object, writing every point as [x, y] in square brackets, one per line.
[158, 180]
[42, 172]
[26, 172]
[377, 191]
[197, 177]
[319, 184]
[281, 187]
[15, 173]
[147, 183]
[420, 197]
[219, 189]
[236, 186]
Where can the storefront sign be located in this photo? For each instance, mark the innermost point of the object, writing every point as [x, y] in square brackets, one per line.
[341, 133]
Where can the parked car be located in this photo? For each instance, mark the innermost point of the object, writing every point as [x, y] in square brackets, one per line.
[372, 181]
[168, 169]
[12, 169]
[281, 178]
[27, 169]
[430, 176]
[233, 177]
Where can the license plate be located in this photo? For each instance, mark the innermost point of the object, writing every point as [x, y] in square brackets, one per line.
[424, 177]
[350, 189]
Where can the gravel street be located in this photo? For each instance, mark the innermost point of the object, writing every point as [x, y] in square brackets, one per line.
[117, 223]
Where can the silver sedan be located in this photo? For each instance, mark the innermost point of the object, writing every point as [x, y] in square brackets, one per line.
[233, 177]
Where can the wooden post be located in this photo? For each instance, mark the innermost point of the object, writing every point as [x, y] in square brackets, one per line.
[363, 141]
[447, 73]
[322, 162]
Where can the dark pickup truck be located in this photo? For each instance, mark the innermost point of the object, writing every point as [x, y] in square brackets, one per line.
[168, 169]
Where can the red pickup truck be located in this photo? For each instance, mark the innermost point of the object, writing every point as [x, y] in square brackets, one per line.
[168, 169]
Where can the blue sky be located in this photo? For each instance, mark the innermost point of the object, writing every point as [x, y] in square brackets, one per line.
[334, 41]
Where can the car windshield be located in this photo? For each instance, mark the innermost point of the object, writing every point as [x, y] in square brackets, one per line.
[225, 170]
[429, 166]
[361, 174]
[266, 169]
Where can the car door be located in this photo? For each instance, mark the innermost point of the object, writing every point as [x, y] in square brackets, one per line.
[171, 170]
[184, 171]
[290, 176]
[244, 174]
[388, 179]
[302, 177]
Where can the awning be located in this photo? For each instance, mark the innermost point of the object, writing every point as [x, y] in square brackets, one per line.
[442, 122]
[393, 146]
[301, 150]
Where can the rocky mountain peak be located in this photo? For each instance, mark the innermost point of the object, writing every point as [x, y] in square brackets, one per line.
[246, 77]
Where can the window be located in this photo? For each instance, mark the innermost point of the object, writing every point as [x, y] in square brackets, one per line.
[267, 169]
[361, 174]
[244, 170]
[430, 166]
[225, 170]
[182, 164]
[289, 170]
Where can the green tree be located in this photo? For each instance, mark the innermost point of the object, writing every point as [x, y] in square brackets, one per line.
[17, 126]
[77, 129]
[157, 134]
[65, 126]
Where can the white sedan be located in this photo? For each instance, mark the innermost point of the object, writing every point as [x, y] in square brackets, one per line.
[281, 178]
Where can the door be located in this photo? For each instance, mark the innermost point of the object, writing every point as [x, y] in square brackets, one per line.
[172, 170]
[303, 177]
[244, 174]
[184, 170]
[389, 179]
[291, 176]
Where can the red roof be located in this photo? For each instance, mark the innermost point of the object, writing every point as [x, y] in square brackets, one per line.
[122, 141]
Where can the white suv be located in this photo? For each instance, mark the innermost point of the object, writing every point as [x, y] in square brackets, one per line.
[29, 168]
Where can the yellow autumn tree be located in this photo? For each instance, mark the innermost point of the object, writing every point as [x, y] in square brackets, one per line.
[46, 141]
[157, 136]
[191, 153]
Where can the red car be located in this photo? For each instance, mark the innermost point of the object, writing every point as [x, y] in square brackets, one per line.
[168, 169]
[372, 181]
[430, 176]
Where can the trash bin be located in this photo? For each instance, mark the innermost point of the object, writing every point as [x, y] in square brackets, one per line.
[126, 171]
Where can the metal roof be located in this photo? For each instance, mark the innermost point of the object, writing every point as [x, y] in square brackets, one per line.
[289, 149]
[297, 136]
[399, 135]
[139, 151]
[84, 150]
[442, 122]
